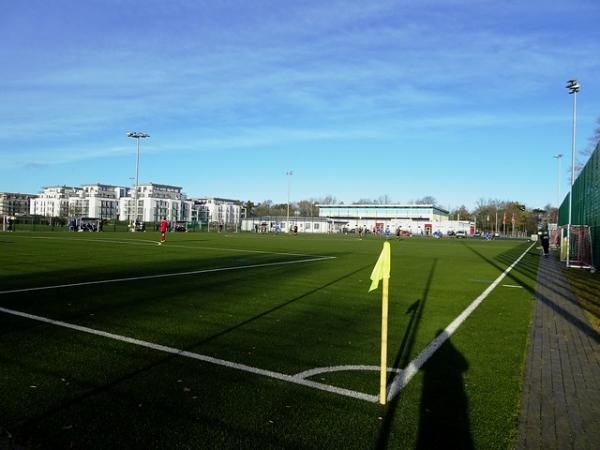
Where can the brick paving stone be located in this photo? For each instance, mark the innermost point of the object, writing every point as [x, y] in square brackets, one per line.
[560, 408]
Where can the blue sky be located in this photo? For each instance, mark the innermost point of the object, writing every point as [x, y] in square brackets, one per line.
[456, 99]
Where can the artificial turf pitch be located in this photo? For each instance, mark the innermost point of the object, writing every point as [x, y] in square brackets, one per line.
[269, 302]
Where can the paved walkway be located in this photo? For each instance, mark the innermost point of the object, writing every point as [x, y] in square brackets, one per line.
[561, 395]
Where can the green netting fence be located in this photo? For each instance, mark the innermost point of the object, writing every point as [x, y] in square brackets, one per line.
[586, 202]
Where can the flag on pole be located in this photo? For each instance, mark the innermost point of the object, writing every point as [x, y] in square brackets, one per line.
[513, 220]
[504, 218]
[382, 267]
[381, 271]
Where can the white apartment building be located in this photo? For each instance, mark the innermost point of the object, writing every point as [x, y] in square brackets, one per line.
[15, 204]
[100, 201]
[53, 201]
[218, 210]
[155, 201]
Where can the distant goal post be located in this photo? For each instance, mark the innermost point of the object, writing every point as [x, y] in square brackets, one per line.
[580, 248]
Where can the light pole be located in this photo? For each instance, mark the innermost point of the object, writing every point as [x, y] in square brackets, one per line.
[137, 135]
[573, 88]
[289, 174]
[558, 158]
[496, 227]
[130, 212]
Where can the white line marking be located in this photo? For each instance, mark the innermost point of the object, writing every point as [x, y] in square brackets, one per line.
[167, 245]
[166, 275]
[476, 280]
[200, 357]
[413, 367]
[320, 370]
[512, 286]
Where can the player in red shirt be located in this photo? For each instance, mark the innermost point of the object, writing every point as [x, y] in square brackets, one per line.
[164, 225]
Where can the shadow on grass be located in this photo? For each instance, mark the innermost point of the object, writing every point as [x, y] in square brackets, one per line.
[528, 266]
[403, 356]
[508, 258]
[550, 276]
[139, 261]
[444, 411]
[576, 286]
[98, 389]
[282, 305]
[41, 432]
[64, 303]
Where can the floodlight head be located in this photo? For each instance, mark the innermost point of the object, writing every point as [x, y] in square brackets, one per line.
[137, 134]
[558, 156]
[573, 86]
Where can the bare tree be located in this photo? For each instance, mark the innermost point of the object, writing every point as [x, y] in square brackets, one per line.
[427, 200]
[327, 200]
[308, 208]
[595, 138]
[280, 209]
[588, 151]
[461, 213]
[249, 206]
[364, 201]
[263, 208]
[384, 199]
[551, 213]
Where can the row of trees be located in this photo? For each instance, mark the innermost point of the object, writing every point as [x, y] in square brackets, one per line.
[506, 216]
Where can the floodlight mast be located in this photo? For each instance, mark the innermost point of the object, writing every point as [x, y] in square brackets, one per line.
[137, 135]
[289, 174]
[573, 88]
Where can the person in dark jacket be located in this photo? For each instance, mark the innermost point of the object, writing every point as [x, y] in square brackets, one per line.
[545, 242]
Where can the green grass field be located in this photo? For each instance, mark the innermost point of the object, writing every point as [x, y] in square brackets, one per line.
[282, 304]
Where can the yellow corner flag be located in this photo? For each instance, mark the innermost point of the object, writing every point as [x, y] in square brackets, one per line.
[381, 271]
[382, 268]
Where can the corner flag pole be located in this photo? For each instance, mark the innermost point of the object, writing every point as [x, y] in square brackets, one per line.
[381, 271]
[384, 333]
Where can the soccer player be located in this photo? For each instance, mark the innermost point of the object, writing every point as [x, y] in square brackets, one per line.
[163, 230]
